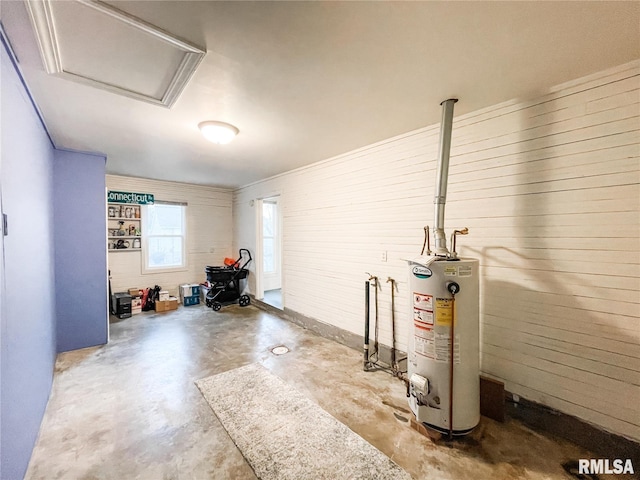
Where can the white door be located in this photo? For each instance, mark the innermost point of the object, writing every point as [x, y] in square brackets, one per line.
[271, 250]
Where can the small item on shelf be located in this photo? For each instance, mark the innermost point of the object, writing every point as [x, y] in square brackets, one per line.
[137, 212]
[112, 211]
[128, 212]
[136, 243]
[132, 229]
[121, 231]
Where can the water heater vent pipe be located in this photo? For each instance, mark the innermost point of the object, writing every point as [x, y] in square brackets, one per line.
[442, 177]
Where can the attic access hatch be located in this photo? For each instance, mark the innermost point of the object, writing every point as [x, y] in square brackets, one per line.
[92, 42]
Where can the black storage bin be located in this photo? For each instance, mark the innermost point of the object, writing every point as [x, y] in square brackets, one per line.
[121, 304]
[224, 274]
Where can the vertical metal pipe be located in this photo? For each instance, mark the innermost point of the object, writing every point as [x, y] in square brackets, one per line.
[376, 344]
[394, 367]
[366, 325]
[442, 177]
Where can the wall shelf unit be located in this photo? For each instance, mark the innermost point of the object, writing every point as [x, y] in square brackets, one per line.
[124, 228]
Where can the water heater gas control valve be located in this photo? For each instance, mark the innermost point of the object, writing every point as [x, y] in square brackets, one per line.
[420, 384]
[453, 288]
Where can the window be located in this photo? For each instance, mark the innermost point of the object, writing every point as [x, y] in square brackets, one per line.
[164, 237]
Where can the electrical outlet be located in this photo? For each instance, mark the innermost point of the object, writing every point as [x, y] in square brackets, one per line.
[383, 257]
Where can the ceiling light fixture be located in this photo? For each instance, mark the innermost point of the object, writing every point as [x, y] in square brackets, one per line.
[218, 132]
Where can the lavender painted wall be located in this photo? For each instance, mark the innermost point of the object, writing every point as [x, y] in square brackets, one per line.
[80, 250]
[27, 333]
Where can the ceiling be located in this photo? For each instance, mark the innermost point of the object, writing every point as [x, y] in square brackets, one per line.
[305, 81]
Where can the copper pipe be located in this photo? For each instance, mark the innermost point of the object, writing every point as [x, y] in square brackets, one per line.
[455, 233]
[427, 241]
[452, 353]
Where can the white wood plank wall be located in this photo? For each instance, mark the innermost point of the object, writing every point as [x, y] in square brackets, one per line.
[549, 189]
[209, 233]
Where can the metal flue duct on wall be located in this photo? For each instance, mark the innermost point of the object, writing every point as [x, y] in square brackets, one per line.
[442, 177]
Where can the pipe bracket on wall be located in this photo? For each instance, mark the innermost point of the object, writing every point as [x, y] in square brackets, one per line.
[5, 225]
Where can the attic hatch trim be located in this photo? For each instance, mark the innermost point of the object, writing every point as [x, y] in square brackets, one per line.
[43, 21]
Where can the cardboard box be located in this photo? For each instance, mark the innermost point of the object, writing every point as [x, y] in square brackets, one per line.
[136, 303]
[173, 303]
[135, 292]
[136, 310]
[162, 306]
[191, 300]
[163, 295]
[204, 290]
[166, 305]
[189, 290]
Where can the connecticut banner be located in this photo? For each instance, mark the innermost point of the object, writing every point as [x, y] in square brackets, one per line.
[129, 197]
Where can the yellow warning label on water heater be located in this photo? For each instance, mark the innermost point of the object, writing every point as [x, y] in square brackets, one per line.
[444, 311]
[450, 271]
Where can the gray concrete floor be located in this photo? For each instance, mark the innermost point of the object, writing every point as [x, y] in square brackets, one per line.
[131, 410]
[273, 298]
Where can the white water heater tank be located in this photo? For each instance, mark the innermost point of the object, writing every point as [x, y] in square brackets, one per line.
[443, 291]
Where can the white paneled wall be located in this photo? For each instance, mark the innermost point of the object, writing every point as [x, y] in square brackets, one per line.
[209, 233]
[549, 189]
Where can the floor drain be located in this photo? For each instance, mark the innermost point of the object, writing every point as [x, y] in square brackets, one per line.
[281, 350]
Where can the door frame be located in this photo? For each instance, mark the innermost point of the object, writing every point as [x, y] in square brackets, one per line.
[259, 202]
